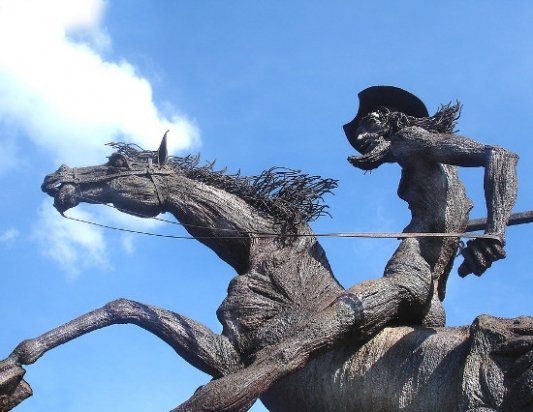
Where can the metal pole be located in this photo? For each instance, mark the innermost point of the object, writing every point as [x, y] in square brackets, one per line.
[514, 219]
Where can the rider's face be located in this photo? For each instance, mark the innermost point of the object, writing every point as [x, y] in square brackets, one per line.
[370, 131]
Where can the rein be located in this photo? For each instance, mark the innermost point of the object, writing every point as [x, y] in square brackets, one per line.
[258, 235]
[266, 235]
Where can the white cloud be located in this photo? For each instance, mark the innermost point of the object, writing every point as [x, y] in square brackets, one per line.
[56, 86]
[8, 154]
[58, 89]
[75, 246]
[9, 235]
[128, 244]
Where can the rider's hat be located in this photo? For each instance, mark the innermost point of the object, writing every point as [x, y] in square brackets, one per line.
[390, 97]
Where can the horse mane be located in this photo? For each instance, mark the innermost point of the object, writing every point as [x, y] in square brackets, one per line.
[288, 195]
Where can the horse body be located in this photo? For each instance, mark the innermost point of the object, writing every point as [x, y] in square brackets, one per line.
[401, 368]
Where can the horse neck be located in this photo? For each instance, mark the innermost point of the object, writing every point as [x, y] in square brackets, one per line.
[220, 220]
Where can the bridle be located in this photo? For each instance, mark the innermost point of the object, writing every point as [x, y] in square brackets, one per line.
[70, 177]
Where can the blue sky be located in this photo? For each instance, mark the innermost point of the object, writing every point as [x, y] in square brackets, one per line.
[253, 85]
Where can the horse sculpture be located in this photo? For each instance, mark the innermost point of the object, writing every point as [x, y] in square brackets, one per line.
[259, 226]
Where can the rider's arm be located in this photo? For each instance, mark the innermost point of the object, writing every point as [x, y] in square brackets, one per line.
[500, 182]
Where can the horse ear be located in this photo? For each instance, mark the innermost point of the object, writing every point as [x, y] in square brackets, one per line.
[162, 152]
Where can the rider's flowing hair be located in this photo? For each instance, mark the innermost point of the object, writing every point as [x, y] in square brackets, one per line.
[443, 121]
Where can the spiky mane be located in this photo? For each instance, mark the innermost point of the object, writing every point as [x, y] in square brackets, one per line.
[289, 196]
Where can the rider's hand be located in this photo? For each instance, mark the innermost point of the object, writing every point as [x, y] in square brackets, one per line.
[479, 254]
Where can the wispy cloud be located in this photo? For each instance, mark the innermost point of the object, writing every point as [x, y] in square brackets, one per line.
[73, 245]
[8, 154]
[58, 89]
[128, 244]
[9, 235]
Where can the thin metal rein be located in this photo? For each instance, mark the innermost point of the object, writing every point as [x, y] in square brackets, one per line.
[391, 235]
[375, 235]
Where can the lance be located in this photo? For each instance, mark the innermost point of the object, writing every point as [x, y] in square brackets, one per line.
[514, 219]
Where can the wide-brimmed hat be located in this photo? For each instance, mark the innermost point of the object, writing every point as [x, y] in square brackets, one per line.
[390, 97]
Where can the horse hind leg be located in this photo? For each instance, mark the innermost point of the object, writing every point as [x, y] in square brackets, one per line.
[13, 389]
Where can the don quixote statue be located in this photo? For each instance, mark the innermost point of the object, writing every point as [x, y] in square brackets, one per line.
[292, 335]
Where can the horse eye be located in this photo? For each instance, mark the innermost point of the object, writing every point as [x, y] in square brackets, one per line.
[116, 160]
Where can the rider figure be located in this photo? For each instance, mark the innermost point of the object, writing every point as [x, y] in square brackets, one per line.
[393, 125]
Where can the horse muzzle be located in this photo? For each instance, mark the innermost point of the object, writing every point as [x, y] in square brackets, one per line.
[60, 186]
[52, 182]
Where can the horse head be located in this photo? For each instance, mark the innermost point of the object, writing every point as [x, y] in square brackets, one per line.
[128, 180]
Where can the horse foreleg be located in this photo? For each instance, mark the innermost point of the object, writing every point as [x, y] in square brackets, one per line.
[237, 391]
[197, 344]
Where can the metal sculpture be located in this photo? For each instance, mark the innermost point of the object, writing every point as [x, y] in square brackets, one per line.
[291, 334]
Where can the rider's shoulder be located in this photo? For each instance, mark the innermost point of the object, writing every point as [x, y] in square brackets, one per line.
[412, 133]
